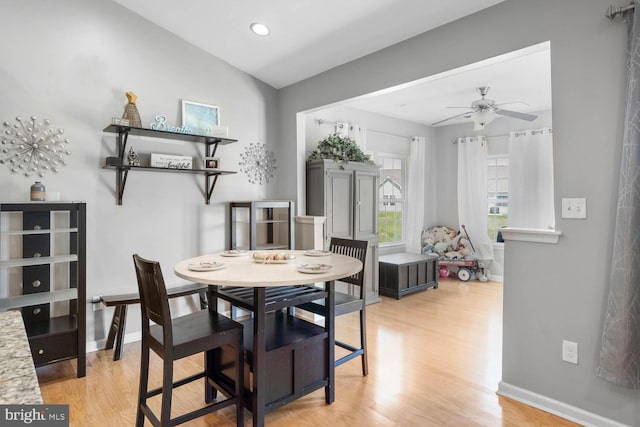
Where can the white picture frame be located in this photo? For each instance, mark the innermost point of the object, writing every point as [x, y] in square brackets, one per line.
[199, 118]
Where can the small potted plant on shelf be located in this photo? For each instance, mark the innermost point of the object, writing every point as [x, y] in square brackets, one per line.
[341, 149]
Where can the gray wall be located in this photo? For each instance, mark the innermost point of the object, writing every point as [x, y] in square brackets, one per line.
[551, 292]
[72, 61]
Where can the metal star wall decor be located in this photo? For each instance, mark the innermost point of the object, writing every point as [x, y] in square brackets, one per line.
[33, 148]
[258, 163]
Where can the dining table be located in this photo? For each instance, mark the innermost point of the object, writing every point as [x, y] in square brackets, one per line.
[288, 355]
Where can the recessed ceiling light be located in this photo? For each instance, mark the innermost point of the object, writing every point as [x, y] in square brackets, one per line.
[259, 29]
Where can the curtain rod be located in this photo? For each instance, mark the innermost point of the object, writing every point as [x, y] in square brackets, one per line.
[516, 133]
[612, 11]
[389, 134]
[324, 122]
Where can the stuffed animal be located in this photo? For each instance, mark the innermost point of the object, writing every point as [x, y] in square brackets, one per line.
[446, 242]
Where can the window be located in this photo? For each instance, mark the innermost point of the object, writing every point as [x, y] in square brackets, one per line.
[391, 198]
[497, 193]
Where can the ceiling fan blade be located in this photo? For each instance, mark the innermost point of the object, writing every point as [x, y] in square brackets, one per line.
[515, 114]
[453, 117]
[512, 102]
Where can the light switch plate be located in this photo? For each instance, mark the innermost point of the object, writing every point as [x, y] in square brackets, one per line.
[574, 208]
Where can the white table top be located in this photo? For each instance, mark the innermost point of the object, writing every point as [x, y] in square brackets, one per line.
[243, 271]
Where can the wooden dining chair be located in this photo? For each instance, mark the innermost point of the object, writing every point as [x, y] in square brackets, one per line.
[354, 301]
[173, 339]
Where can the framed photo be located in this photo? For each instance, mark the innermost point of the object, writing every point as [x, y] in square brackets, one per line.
[200, 118]
[211, 163]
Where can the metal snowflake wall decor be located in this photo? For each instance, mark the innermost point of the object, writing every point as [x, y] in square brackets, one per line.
[258, 163]
[32, 147]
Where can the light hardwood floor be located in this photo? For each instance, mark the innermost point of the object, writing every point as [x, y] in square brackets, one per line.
[434, 360]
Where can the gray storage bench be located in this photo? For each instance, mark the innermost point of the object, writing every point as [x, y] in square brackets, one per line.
[406, 273]
[122, 301]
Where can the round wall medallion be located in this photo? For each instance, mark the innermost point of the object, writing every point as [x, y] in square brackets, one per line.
[258, 163]
[33, 148]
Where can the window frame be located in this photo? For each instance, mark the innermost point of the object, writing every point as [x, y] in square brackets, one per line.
[377, 158]
[492, 228]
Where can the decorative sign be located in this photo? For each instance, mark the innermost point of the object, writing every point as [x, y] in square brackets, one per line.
[119, 121]
[161, 124]
[171, 162]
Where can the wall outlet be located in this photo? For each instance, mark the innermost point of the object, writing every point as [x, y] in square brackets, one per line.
[570, 351]
[97, 304]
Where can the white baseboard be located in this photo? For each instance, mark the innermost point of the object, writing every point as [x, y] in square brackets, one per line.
[495, 278]
[561, 409]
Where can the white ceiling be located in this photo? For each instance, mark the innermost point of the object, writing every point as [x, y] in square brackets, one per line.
[307, 36]
[522, 77]
[311, 36]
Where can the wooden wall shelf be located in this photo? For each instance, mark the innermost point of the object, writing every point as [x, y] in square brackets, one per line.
[122, 170]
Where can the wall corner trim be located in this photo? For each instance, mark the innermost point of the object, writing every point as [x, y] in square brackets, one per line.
[556, 407]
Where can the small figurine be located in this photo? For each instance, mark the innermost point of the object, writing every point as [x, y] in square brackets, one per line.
[133, 158]
[131, 111]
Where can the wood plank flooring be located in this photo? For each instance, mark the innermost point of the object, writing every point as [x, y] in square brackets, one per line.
[434, 360]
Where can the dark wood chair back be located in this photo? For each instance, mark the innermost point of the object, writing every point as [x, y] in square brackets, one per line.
[154, 302]
[353, 248]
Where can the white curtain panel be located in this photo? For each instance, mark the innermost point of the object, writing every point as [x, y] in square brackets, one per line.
[473, 206]
[415, 194]
[359, 135]
[531, 179]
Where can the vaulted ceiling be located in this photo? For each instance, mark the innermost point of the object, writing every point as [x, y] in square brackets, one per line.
[309, 37]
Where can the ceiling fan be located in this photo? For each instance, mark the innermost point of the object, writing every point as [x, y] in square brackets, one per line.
[483, 111]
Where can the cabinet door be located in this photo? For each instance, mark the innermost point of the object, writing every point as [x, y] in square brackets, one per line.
[366, 198]
[339, 204]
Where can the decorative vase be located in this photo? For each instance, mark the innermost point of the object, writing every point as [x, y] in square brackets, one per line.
[38, 192]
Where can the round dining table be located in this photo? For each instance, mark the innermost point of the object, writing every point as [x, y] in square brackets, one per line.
[294, 279]
[241, 269]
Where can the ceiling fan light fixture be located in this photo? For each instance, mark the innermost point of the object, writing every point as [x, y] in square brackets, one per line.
[481, 119]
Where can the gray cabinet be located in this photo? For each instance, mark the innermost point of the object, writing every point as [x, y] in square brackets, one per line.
[347, 195]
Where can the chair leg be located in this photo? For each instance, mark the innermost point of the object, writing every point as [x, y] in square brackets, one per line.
[240, 382]
[363, 342]
[167, 391]
[144, 382]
